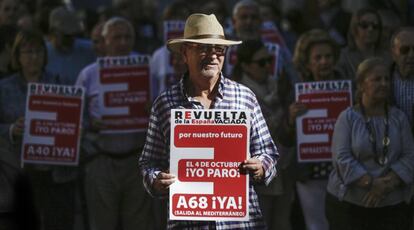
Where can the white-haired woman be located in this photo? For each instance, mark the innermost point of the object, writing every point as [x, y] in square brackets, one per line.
[373, 158]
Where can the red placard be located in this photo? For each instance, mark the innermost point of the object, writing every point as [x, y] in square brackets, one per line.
[270, 33]
[173, 29]
[124, 93]
[325, 100]
[207, 149]
[231, 59]
[274, 50]
[53, 118]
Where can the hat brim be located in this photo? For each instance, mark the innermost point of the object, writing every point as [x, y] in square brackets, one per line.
[174, 45]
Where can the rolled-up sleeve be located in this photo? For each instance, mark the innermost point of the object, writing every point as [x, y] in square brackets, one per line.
[155, 155]
[262, 146]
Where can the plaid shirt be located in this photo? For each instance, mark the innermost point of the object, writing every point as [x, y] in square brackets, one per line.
[403, 90]
[155, 155]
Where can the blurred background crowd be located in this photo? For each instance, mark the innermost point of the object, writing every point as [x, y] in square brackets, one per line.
[315, 40]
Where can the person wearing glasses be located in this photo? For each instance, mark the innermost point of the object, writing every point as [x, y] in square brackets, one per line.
[114, 193]
[370, 186]
[254, 62]
[247, 25]
[203, 49]
[253, 69]
[315, 57]
[402, 71]
[364, 41]
[53, 186]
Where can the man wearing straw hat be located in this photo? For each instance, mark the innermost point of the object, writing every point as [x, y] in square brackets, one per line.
[203, 48]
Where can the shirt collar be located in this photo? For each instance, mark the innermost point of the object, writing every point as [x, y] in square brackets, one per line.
[396, 74]
[184, 91]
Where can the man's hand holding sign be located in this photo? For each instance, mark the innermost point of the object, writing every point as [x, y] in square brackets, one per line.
[211, 134]
[254, 167]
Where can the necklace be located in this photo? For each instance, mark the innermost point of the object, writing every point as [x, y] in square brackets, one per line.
[382, 158]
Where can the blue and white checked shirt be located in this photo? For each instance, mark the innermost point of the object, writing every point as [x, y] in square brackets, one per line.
[155, 155]
[403, 90]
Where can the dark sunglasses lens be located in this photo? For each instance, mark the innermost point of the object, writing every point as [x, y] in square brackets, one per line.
[263, 62]
[366, 25]
[406, 49]
[217, 49]
[220, 49]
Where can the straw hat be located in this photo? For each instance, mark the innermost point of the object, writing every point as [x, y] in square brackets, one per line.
[202, 29]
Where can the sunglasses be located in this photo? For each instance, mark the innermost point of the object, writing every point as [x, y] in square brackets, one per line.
[204, 49]
[404, 50]
[366, 25]
[262, 62]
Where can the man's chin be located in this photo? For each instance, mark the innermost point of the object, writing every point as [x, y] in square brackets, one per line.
[210, 73]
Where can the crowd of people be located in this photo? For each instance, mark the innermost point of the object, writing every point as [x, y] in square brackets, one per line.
[255, 55]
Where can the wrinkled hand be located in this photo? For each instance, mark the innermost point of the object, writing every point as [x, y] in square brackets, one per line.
[296, 109]
[377, 192]
[364, 181]
[18, 128]
[380, 188]
[254, 167]
[162, 182]
[392, 180]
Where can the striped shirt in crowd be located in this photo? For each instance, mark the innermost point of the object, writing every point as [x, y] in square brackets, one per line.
[155, 155]
[404, 95]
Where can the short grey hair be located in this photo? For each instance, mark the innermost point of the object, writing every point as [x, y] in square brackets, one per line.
[363, 69]
[244, 3]
[408, 29]
[116, 20]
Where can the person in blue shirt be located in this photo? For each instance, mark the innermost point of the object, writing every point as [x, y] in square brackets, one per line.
[67, 54]
[53, 186]
[370, 186]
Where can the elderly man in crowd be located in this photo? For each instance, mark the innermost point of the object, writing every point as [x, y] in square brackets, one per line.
[402, 72]
[246, 20]
[204, 87]
[247, 25]
[114, 189]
